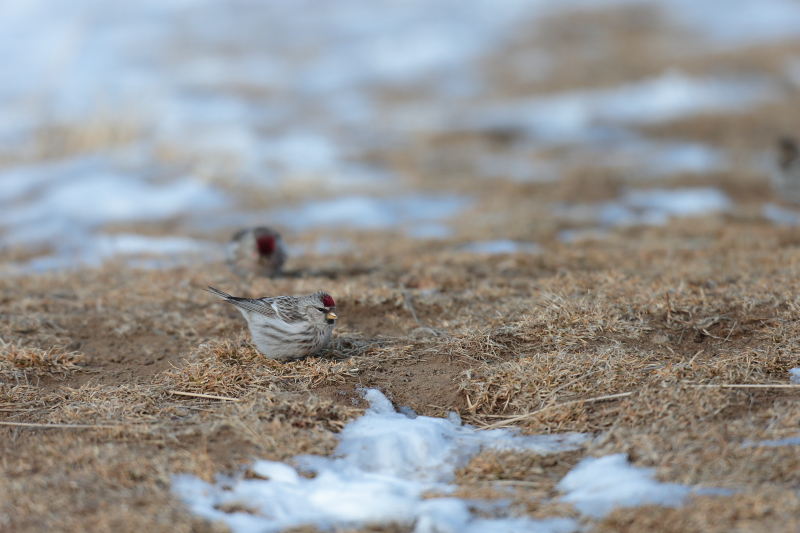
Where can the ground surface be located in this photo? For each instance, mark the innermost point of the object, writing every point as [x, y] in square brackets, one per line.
[649, 337]
[632, 316]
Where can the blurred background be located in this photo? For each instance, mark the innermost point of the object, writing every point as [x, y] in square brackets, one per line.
[148, 132]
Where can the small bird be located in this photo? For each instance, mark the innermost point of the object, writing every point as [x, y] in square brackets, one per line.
[786, 177]
[258, 251]
[287, 327]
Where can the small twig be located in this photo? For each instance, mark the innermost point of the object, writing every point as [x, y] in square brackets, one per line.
[208, 396]
[568, 384]
[713, 336]
[526, 416]
[669, 308]
[520, 483]
[408, 303]
[747, 385]
[735, 322]
[57, 426]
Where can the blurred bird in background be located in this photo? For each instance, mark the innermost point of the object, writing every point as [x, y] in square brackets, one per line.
[786, 177]
[259, 251]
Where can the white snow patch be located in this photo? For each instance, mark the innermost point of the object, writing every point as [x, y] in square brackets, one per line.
[132, 244]
[737, 23]
[202, 89]
[780, 215]
[648, 207]
[501, 246]
[181, 69]
[53, 202]
[794, 375]
[568, 236]
[595, 486]
[138, 251]
[789, 441]
[370, 213]
[658, 158]
[428, 231]
[64, 205]
[383, 464]
[678, 202]
[575, 115]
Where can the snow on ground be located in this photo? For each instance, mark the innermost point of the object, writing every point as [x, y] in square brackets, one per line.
[386, 461]
[780, 215]
[598, 484]
[501, 246]
[635, 157]
[578, 116]
[737, 23]
[364, 212]
[281, 94]
[790, 441]
[63, 205]
[658, 159]
[642, 207]
[419, 215]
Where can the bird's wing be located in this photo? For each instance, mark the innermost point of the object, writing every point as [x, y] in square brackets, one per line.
[260, 306]
[286, 308]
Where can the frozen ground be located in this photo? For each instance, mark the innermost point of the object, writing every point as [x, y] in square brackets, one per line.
[386, 461]
[642, 207]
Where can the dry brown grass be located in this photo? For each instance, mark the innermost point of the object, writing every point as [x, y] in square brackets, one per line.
[17, 360]
[532, 337]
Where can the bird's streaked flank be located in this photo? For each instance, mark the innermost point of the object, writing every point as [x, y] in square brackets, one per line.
[287, 327]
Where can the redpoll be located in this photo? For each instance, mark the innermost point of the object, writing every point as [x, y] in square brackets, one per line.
[786, 178]
[258, 251]
[287, 327]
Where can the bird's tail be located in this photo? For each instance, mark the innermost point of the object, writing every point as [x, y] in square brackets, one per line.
[219, 294]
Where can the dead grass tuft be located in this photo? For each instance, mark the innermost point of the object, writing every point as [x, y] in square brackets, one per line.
[16, 360]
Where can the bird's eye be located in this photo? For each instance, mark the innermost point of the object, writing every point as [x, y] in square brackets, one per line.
[321, 310]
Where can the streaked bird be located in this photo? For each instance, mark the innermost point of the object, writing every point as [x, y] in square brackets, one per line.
[786, 176]
[259, 251]
[287, 327]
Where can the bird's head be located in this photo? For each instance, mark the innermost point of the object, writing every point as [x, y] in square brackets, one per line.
[265, 244]
[320, 308]
[787, 152]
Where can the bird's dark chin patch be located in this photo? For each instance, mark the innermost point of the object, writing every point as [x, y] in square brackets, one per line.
[330, 321]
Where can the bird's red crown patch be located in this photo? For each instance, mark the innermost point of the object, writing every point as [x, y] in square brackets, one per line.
[266, 244]
[327, 301]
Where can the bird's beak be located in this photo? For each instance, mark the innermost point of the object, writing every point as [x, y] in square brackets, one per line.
[331, 315]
